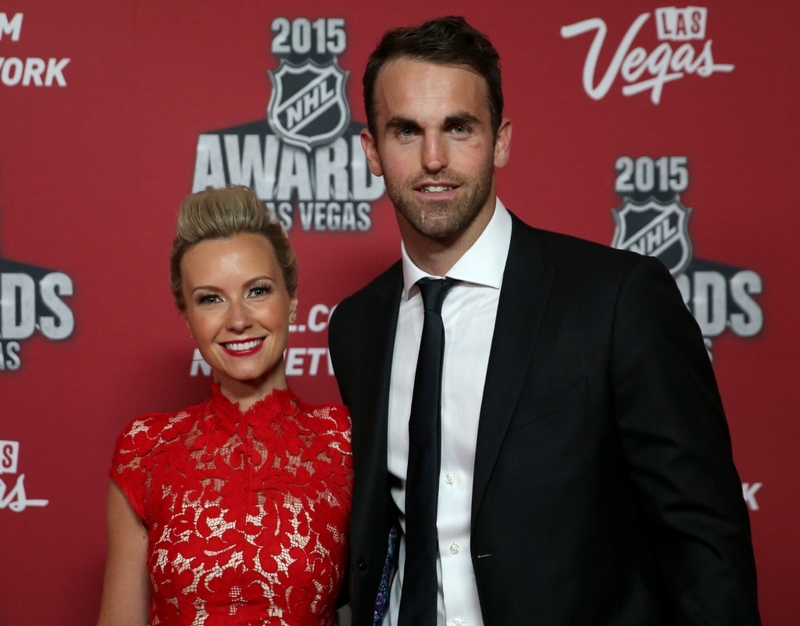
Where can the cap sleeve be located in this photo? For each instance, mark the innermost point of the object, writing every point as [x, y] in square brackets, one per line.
[131, 465]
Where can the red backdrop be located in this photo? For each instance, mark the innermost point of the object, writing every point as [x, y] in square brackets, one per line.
[111, 112]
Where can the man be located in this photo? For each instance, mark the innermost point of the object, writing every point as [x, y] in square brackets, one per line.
[581, 468]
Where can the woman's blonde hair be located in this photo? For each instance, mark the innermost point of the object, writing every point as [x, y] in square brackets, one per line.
[222, 214]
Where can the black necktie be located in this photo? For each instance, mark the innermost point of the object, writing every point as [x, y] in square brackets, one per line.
[420, 584]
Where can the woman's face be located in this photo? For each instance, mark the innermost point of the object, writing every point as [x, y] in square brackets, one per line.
[238, 309]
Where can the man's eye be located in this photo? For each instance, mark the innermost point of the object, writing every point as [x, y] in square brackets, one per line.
[460, 129]
[405, 132]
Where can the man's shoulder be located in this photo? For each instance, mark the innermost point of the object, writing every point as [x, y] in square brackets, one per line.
[385, 285]
[569, 253]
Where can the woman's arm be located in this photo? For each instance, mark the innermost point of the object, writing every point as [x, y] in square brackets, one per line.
[126, 590]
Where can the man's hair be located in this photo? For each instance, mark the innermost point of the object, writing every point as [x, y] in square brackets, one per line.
[443, 41]
[222, 214]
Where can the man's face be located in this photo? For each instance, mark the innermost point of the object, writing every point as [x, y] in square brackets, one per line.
[434, 146]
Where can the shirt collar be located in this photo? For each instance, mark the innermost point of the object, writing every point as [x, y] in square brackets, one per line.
[482, 264]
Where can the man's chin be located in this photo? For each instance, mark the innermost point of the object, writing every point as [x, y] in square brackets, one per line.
[444, 229]
[437, 219]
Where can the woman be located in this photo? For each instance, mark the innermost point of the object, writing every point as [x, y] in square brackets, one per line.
[233, 511]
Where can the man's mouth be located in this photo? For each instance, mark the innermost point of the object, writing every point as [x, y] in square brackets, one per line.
[436, 188]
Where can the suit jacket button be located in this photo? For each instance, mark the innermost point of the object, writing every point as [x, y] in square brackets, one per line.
[362, 566]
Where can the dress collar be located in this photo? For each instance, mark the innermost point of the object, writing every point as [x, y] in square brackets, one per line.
[279, 402]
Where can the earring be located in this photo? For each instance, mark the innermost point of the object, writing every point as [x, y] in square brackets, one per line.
[191, 335]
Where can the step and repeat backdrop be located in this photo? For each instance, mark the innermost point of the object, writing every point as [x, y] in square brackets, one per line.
[668, 130]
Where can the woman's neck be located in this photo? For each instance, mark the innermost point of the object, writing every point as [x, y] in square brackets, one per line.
[247, 392]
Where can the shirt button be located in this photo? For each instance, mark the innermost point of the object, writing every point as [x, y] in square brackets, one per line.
[449, 479]
[454, 550]
[457, 622]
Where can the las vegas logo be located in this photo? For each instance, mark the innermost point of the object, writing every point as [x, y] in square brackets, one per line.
[14, 499]
[649, 71]
[304, 160]
[653, 221]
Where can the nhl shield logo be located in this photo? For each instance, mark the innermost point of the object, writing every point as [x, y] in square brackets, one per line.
[307, 107]
[655, 229]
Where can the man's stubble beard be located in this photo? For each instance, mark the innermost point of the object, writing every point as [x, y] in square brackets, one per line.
[443, 219]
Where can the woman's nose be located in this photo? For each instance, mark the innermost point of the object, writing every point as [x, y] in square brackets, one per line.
[238, 317]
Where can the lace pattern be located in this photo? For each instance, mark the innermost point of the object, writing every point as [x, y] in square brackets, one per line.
[246, 512]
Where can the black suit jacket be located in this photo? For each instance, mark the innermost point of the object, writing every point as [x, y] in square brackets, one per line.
[604, 490]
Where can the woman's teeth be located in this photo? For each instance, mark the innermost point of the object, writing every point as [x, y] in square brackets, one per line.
[247, 345]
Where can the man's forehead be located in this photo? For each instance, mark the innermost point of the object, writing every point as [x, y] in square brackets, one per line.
[405, 86]
[423, 65]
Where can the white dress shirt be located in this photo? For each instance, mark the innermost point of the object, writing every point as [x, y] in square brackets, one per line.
[468, 314]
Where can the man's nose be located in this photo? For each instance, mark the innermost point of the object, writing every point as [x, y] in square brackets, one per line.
[434, 152]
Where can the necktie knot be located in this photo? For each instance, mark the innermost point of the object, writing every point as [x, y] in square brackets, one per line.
[433, 291]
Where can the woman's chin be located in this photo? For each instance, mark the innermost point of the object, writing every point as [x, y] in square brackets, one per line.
[257, 379]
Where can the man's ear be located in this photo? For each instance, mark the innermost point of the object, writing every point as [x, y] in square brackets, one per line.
[371, 150]
[502, 144]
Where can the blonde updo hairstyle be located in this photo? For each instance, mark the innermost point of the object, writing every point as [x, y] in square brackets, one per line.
[222, 214]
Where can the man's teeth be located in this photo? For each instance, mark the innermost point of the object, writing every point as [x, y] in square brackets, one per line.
[436, 188]
[247, 345]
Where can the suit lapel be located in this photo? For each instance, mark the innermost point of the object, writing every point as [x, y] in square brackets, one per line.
[523, 297]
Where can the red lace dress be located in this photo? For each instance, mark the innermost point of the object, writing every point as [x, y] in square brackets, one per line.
[246, 513]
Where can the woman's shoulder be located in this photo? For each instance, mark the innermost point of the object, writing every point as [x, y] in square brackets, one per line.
[335, 414]
[138, 447]
[330, 418]
[148, 430]
[332, 441]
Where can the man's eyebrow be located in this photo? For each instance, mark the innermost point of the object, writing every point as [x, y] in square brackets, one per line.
[462, 117]
[401, 122]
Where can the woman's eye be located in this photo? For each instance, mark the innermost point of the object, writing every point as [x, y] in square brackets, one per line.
[260, 290]
[208, 298]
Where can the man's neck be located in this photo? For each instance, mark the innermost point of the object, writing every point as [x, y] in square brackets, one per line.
[437, 256]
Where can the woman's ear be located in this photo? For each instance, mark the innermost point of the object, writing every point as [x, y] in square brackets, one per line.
[186, 321]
